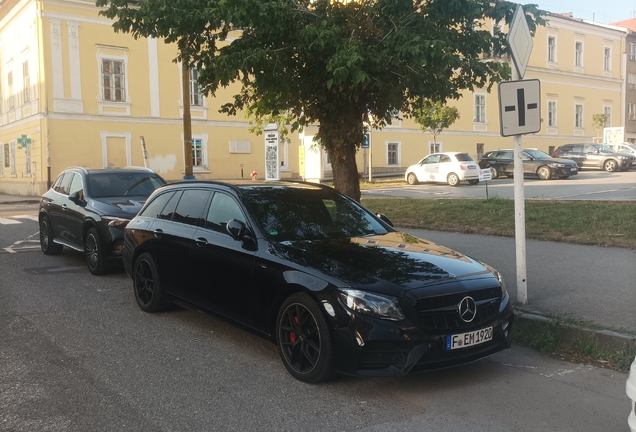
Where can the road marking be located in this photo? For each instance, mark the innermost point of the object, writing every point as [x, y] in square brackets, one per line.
[4, 221]
[32, 217]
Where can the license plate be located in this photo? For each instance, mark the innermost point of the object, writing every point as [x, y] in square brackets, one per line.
[572, 169]
[472, 166]
[464, 340]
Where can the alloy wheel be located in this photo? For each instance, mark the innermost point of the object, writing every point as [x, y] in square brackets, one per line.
[92, 251]
[144, 282]
[299, 338]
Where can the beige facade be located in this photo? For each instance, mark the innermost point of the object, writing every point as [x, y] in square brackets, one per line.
[76, 93]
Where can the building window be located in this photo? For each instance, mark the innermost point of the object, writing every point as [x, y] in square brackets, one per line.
[631, 113]
[7, 162]
[551, 49]
[26, 82]
[632, 52]
[13, 173]
[434, 147]
[552, 114]
[197, 153]
[196, 98]
[480, 150]
[10, 90]
[2, 159]
[578, 54]
[496, 53]
[393, 154]
[608, 116]
[607, 60]
[27, 150]
[113, 80]
[631, 81]
[480, 109]
[578, 116]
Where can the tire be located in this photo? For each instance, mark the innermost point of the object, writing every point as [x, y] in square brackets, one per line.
[303, 339]
[453, 179]
[95, 259]
[544, 173]
[46, 238]
[494, 173]
[564, 177]
[610, 165]
[473, 182]
[147, 286]
[412, 179]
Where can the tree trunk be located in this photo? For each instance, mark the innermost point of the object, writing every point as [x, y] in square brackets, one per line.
[345, 169]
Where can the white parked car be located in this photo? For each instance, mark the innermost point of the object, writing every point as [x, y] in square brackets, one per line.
[631, 392]
[624, 148]
[450, 167]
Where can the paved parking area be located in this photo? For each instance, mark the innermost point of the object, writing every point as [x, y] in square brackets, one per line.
[587, 185]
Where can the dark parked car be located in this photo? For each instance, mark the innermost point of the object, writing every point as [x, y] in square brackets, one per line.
[87, 210]
[333, 285]
[535, 163]
[625, 148]
[595, 156]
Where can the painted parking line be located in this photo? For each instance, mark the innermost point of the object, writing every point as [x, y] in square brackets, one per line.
[4, 221]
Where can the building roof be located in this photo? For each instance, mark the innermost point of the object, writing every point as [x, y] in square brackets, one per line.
[629, 24]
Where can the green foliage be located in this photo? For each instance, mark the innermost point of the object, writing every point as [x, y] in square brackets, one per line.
[599, 121]
[345, 66]
[434, 117]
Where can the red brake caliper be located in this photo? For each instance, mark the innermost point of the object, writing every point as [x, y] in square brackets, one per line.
[292, 335]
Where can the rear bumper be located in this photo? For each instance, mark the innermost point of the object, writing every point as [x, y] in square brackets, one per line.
[630, 389]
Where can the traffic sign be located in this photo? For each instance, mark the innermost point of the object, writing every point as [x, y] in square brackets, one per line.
[485, 174]
[520, 41]
[519, 107]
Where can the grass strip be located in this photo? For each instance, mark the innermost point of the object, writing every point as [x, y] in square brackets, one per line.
[595, 223]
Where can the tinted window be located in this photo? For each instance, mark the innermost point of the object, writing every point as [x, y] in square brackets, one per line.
[138, 184]
[432, 159]
[506, 154]
[222, 209]
[168, 210]
[297, 214]
[57, 186]
[537, 154]
[444, 158]
[565, 148]
[153, 209]
[191, 206]
[64, 183]
[463, 157]
[77, 186]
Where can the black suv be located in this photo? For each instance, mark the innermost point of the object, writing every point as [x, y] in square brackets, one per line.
[87, 210]
[595, 156]
[535, 163]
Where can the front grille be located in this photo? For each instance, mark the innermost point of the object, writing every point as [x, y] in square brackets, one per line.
[440, 313]
[381, 356]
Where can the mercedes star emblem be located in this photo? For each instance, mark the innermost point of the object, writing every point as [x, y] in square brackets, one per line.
[467, 309]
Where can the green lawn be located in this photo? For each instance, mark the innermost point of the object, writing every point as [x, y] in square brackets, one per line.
[598, 223]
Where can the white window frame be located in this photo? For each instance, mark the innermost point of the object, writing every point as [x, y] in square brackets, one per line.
[104, 135]
[578, 54]
[1, 159]
[26, 83]
[204, 166]
[398, 150]
[120, 108]
[11, 98]
[27, 160]
[631, 81]
[552, 113]
[479, 109]
[198, 112]
[113, 89]
[552, 49]
[578, 116]
[496, 29]
[432, 149]
[631, 111]
[607, 59]
[13, 164]
[195, 88]
[632, 51]
[607, 110]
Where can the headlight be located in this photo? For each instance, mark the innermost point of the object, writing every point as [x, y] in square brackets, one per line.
[115, 222]
[556, 165]
[375, 305]
[501, 282]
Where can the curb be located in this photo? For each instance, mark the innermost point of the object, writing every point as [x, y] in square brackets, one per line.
[27, 201]
[569, 334]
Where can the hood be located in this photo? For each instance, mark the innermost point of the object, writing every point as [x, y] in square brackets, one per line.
[118, 206]
[396, 260]
[563, 161]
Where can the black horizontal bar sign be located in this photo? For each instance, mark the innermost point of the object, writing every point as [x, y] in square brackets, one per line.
[521, 102]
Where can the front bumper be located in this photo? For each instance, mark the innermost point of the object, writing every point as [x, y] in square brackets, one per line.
[564, 171]
[631, 393]
[373, 347]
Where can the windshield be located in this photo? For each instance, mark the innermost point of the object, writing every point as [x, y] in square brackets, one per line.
[537, 154]
[306, 214]
[114, 184]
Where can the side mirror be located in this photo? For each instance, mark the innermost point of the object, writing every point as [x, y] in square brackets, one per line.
[384, 219]
[75, 197]
[236, 229]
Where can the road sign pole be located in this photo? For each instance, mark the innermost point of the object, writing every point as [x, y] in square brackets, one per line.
[520, 216]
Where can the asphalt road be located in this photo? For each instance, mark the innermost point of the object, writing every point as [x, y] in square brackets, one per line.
[78, 355]
[587, 185]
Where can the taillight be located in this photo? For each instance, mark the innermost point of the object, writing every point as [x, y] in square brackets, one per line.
[463, 168]
[554, 154]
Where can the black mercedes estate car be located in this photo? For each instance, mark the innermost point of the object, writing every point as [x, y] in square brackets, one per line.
[333, 285]
[535, 163]
[87, 210]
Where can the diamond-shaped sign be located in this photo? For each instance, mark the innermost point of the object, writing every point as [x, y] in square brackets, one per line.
[520, 41]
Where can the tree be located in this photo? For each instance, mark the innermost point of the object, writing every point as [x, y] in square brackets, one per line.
[599, 121]
[434, 117]
[329, 62]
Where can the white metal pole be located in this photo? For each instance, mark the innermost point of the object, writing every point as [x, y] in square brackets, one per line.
[520, 216]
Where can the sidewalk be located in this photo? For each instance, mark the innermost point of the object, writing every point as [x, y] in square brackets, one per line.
[18, 199]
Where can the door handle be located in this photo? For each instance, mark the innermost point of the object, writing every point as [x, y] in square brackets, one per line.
[200, 241]
[64, 206]
[158, 232]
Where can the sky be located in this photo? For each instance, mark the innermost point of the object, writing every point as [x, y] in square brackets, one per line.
[601, 11]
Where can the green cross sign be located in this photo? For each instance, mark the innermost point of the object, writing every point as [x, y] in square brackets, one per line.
[24, 141]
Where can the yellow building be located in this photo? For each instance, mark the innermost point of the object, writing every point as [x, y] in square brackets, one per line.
[74, 92]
